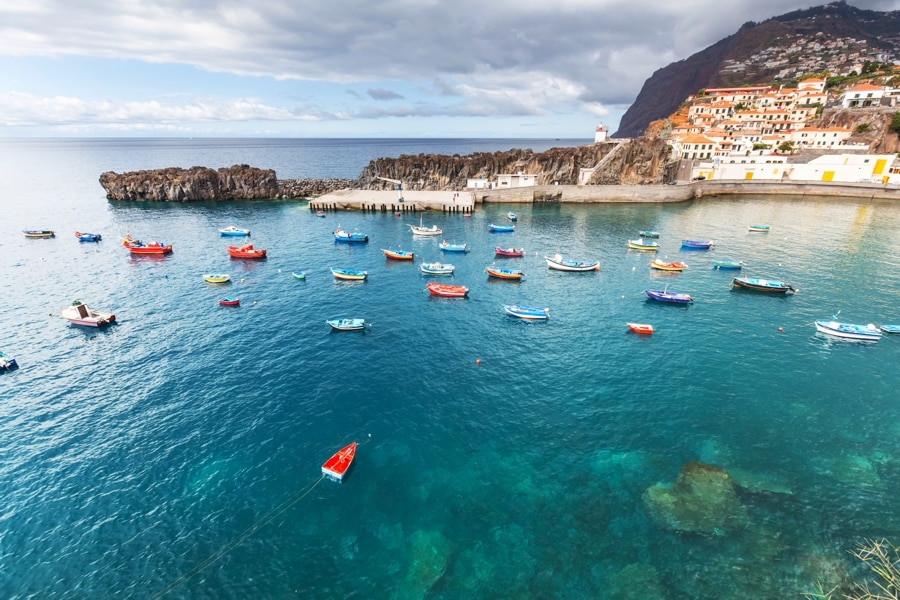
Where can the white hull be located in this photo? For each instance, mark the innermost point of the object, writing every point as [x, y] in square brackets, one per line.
[852, 333]
[561, 266]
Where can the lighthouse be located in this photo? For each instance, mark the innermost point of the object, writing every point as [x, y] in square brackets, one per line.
[600, 134]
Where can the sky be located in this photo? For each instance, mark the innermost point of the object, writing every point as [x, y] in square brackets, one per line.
[345, 68]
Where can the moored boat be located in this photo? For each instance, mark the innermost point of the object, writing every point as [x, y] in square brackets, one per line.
[447, 291]
[347, 324]
[669, 297]
[758, 228]
[246, 251]
[512, 216]
[39, 233]
[320, 213]
[349, 274]
[138, 247]
[667, 266]
[501, 228]
[642, 244]
[563, 264]
[509, 252]
[697, 244]
[529, 313]
[727, 264]
[427, 231]
[646, 233]
[762, 285]
[890, 328]
[437, 268]
[229, 301]
[448, 247]
[88, 237]
[504, 273]
[642, 328]
[7, 362]
[849, 330]
[217, 278]
[336, 466]
[398, 254]
[346, 236]
[79, 314]
[233, 231]
[298, 274]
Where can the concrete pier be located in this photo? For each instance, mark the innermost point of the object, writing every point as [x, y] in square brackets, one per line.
[387, 201]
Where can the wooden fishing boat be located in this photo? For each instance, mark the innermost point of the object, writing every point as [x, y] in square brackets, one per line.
[320, 213]
[217, 278]
[398, 254]
[849, 330]
[512, 216]
[563, 264]
[39, 233]
[447, 291]
[7, 362]
[298, 274]
[697, 244]
[501, 228]
[643, 244]
[232, 231]
[138, 247]
[758, 228]
[509, 252]
[349, 274]
[529, 313]
[667, 266]
[347, 324]
[448, 247]
[669, 297]
[246, 251]
[642, 328]
[727, 264]
[762, 285]
[504, 273]
[346, 236]
[890, 328]
[229, 301]
[336, 466]
[646, 233]
[88, 237]
[437, 268]
[79, 314]
[427, 231]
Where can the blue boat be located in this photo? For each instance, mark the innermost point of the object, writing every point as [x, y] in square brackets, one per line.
[762, 285]
[669, 297]
[529, 313]
[88, 237]
[848, 330]
[7, 362]
[448, 247]
[349, 274]
[347, 324]
[501, 228]
[727, 264]
[648, 234]
[697, 244]
[345, 236]
[437, 268]
[759, 228]
[232, 231]
[890, 328]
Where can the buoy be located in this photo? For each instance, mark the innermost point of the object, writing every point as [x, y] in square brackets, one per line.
[781, 329]
[477, 361]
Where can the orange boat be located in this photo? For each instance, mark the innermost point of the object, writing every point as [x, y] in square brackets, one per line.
[667, 266]
[644, 328]
[246, 251]
[138, 247]
[398, 254]
[336, 466]
[504, 273]
[447, 291]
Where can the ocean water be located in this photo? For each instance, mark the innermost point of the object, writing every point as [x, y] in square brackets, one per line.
[177, 453]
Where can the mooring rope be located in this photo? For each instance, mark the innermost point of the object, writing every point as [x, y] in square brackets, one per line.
[231, 545]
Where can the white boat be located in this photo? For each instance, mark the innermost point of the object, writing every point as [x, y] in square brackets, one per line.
[347, 324]
[849, 330]
[437, 268]
[562, 264]
[79, 314]
[422, 230]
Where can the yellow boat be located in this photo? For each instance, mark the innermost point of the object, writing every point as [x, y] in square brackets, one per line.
[667, 266]
[217, 278]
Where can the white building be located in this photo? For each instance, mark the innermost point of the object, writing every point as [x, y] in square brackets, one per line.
[862, 95]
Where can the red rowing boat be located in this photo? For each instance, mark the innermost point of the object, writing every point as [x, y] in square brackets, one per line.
[644, 328]
[138, 247]
[448, 291]
[246, 251]
[509, 251]
[336, 466]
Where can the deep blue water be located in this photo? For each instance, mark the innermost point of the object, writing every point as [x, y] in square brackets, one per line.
[145, 458]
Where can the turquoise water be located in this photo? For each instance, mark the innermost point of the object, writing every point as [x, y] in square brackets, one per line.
[145, 458]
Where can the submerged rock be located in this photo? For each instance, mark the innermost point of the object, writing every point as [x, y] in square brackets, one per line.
[702, 500]
[430, 553]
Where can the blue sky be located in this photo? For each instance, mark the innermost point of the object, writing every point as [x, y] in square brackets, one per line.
[383, 68]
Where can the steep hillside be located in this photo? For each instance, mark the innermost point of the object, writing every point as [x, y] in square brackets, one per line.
[824, 38]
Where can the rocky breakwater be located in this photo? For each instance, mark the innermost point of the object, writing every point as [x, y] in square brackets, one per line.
[239, 182]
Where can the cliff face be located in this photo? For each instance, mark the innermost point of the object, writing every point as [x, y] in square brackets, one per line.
[240, 182]
[873, 123]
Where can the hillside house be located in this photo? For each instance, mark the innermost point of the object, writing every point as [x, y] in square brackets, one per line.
[862, 95]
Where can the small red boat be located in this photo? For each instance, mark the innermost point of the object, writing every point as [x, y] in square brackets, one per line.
[644, 328]
[336, 466]
[246, 251]
[509, 251]
[447, 291]
[229, 301]
[138, 247]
